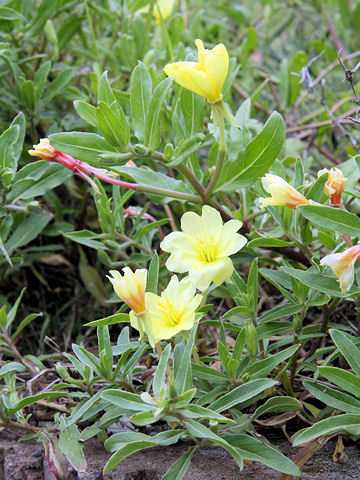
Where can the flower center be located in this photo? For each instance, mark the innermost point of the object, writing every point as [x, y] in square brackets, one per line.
[207, 250]
[169, 313]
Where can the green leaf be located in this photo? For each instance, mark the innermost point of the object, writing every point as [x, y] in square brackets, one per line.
[7, 142]
[282, 311]
[186, 149]
[183, 377]
[200, 431]
[87, 238]
[316, 191]
[7, 13]
[179, 468]
[87, 112]
[267, 242]
[91, 279]
[262, 368]
[82, 408]
[113, 126]
[33, 399]
[29, 229]
[105, 350]
[197, 412]
[40, 79]
[127, 400]
[192, 106]
[116, 318]
[73, 449]
[163, 438]
[277, 404]
[11, 367]
[347, 348]
[41, 14]
[57, 86]
[341, 423]
[342, 378]
[319, 281]
[207, 373]
[258, 451]
[333, 398]
[242, 394]
[82, 146]
[140, 94]
[146, 176]
[105, 92]
[37, 178]
[28, 94]
[153, 275]
[124, 452]
[160, 374]
[334, 219]
[152, 121]
[259, 155]
[25, 322]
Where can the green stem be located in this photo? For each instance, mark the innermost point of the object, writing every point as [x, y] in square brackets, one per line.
[165, 30]
[168, 193]
[221, 155]
[194, 182]
[92, 30]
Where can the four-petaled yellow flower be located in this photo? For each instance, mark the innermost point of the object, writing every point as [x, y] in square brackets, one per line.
[170, 313]
[203, 247]
[130, 287]
[334, 186]
[342, 264]
[205, 77]
[282, 194]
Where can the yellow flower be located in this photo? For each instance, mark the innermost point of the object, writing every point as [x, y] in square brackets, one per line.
[171, 312]
[130, 287]
[282, 194]
[43, 150]
[342, 264]
[205, 77]
[334, 186]
[203, 247]
[162, 8]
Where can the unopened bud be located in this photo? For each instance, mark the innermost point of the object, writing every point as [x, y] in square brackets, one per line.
[169, 150]
[297, 325]
[251, 340]
[140, 149]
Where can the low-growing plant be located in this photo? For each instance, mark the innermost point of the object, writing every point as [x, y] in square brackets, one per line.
[229, 232]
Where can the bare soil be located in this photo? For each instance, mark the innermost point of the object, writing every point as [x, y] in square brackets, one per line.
[25, 461]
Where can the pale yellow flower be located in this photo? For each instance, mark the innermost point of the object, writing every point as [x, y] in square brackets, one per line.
[171, 312]
[130, 287]
[162, 8]
[342, 264]
[282, 194]
[205, 77]
[43, 150]
[335, 185]
[203, 247]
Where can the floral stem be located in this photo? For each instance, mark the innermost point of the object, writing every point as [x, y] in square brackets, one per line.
[220, 158]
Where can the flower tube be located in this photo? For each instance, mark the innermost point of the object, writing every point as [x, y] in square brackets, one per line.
[342, 264]
[282, 194]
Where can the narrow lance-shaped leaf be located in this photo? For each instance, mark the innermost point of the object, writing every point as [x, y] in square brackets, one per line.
[152, 123]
